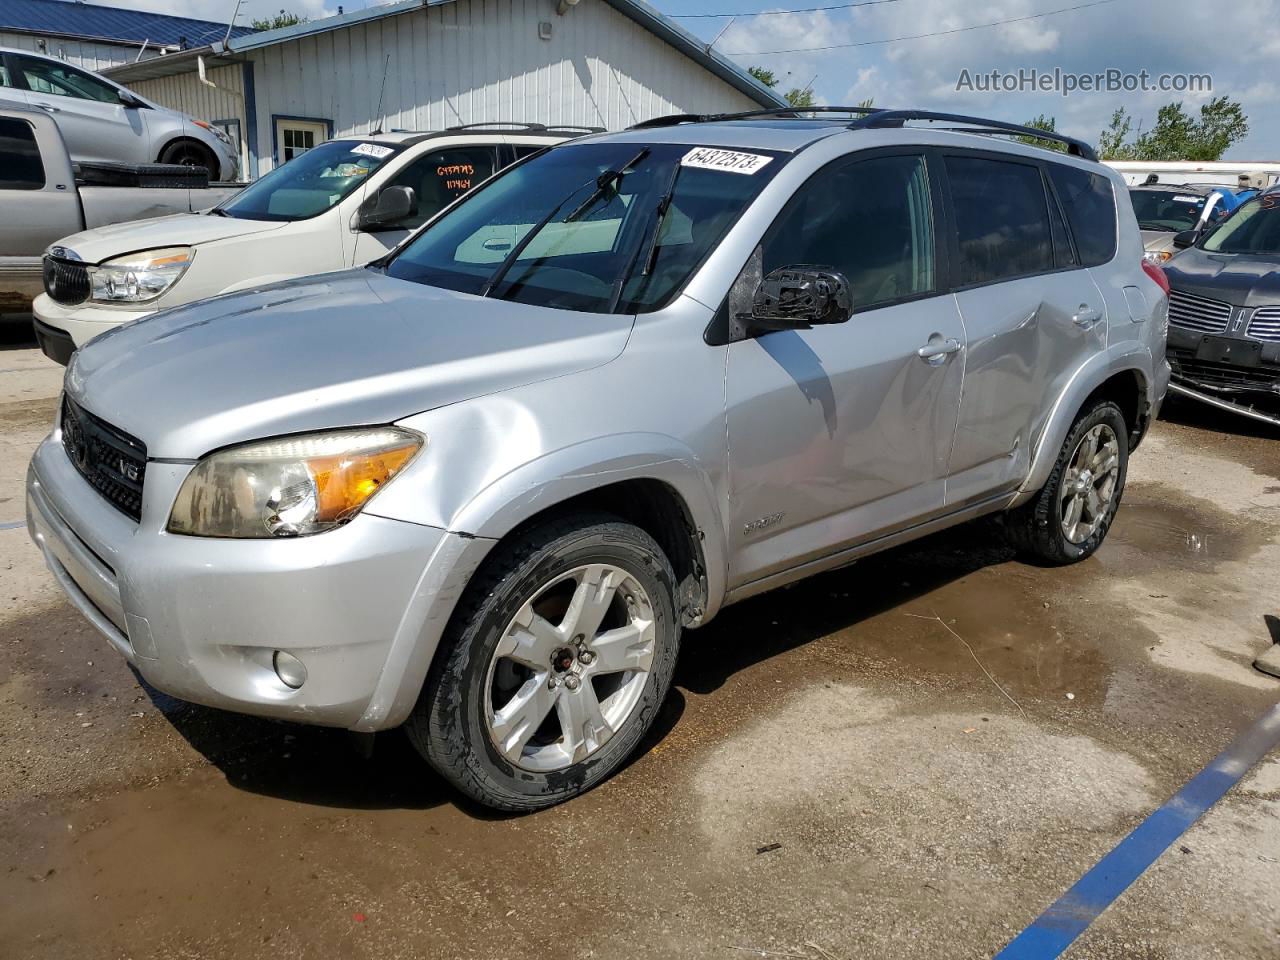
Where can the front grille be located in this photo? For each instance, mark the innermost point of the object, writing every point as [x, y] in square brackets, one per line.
[1265, 324]
[1198, 313]
[1222, 376]
[114, 463]
[66, 281]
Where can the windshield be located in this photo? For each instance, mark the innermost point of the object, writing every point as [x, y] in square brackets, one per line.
[1254, 228]
[591, 227]
[1167, 209]
[310, 183]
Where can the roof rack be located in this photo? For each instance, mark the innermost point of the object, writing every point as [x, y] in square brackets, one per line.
[573, 130]
[896, 118]
[873, 117]
[673, 119]
[496, 124]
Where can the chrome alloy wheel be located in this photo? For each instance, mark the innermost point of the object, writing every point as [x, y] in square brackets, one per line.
[1089, 483]
[570, 668]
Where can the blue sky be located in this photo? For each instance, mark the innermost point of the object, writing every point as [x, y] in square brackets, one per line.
[1239, 45]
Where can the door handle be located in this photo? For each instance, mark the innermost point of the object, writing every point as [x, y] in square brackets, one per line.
[1086, 316]
[49, 107]
[935, 352]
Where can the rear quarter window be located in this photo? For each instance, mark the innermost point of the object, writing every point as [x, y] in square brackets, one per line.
[1090, 205]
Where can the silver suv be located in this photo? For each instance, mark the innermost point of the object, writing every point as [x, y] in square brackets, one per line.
[482, 486]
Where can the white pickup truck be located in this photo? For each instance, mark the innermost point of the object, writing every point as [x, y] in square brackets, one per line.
[44, 197]
[338, 205]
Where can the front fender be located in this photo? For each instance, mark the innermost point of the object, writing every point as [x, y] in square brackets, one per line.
[1129, 356]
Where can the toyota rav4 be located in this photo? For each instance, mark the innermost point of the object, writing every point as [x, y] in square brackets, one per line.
[482, 486]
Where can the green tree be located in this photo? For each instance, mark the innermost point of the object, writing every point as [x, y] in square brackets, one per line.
[1111, 141]
[1177, 134]
[1049, 125]
[800, 98]
[281, 19]
[796, 96]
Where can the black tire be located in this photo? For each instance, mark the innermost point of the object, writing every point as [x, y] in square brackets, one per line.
[449, 726]
[1035, 529]
[189, 153]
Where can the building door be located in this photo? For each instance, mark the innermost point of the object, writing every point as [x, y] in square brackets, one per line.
[296, 137]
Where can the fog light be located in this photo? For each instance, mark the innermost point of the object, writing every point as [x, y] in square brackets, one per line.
[289, 669]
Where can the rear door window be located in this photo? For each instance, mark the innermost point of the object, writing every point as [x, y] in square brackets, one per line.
[20, 166]
[869, 219]
[1001, 217]
[1090, 206]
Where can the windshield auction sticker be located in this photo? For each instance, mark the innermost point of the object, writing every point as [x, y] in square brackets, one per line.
[729, 161]
[373, 150]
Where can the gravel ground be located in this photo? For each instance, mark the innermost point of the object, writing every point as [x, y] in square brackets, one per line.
[907, 804]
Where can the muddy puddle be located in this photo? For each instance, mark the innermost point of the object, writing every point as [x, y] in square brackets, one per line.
[1154, 526]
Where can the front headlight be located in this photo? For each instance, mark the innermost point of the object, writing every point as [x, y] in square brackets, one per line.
[215, 130]
[1157, 256]
[291, 486]
[138, 277]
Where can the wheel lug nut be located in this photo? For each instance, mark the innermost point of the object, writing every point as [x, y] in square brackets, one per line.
[552, 683]
[586, 656]
[571, 682]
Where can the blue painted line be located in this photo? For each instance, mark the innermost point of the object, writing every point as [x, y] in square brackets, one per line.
[14, 525]
[1055, 929]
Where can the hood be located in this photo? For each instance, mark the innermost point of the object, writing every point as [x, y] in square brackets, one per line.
[1245, 280]
[178, 230]
[344, 349]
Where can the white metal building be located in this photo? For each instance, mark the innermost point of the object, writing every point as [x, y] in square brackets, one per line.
[431, 64]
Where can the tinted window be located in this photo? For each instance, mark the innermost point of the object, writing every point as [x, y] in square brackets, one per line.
[1002, 219]
[20, 166]
[4, 76]
[871, 220]
[440, 177]
[606, 238]
[45, 76]
[1090, 206]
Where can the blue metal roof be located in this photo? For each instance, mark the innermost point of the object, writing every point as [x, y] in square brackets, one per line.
[88, 21]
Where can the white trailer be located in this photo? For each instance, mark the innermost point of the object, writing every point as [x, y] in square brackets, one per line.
[1189, 171]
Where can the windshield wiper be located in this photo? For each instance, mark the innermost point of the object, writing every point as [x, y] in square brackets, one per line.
[651, 247]
[602, 182]
[218, 212]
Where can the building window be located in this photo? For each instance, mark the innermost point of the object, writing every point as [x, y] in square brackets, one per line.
[295, 136]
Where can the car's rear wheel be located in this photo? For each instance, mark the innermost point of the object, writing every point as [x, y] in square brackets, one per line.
[1070, 516]
[555, 666]
[188, 153]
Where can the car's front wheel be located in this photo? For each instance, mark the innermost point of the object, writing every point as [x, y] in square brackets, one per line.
[554, 666]
[1070, 516]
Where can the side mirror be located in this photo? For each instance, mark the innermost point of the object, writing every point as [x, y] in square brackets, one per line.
[387, 210]
[799, 297]
[129, 100]
[1186, 238]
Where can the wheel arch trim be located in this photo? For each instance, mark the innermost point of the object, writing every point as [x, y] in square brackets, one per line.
[1093, 374]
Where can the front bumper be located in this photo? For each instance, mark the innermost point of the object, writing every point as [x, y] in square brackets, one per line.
[1251, 381]
[82, 321]
[362, 606]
